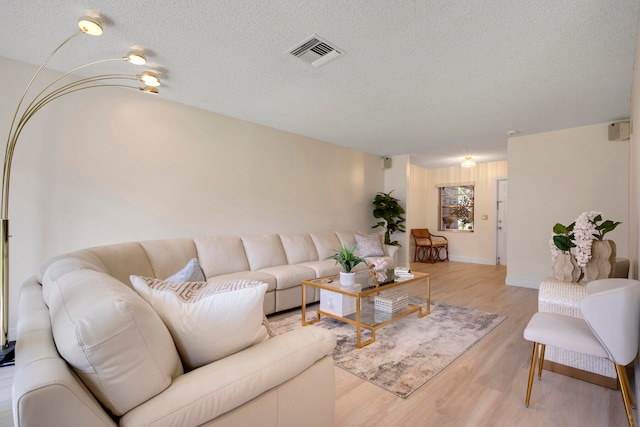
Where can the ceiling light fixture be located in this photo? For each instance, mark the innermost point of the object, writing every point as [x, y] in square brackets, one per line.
[150, 89]
[150, 79]
[136, 58]
[54, 90]
[90, 26]
[468, 162]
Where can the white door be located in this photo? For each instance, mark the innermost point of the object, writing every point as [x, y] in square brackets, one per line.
[501, 223]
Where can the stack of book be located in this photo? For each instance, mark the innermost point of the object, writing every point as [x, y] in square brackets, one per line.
[403, 273]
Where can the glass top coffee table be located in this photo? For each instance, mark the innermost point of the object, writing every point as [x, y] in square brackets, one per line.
[357, 304]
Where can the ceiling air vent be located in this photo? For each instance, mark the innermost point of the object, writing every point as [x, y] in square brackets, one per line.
[315, 51]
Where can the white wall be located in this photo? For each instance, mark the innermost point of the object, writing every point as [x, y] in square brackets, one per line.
[634, 190]
[553, 177]
[112, 165]
[634, 174]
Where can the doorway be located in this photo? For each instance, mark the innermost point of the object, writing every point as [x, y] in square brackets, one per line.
[501, 221]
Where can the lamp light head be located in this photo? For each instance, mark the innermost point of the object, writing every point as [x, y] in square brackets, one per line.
[149, 89]
[136, 58]
[90, 26]
[468, 162]
[150, 79]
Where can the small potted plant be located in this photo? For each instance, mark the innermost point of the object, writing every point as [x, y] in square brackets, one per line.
[564, 265]
[347, 258]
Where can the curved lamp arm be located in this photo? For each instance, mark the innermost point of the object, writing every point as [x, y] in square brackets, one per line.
[46, 95]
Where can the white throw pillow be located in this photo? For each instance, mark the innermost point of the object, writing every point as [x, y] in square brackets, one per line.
[207, 320]
[192, 272]
[369, 245]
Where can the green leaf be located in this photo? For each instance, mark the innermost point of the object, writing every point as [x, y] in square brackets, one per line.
[559, 229]
[563, 243]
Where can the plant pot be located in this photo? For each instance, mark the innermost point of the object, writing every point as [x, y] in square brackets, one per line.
[347, 279]
[603, 260]
[565, 268]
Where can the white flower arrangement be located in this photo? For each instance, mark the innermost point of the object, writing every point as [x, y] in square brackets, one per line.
[584, 233]
[580, 235]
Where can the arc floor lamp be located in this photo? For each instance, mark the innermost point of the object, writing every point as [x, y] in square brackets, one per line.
[24, 112]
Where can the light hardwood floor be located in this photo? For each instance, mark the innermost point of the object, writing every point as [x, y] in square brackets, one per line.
[484, 387]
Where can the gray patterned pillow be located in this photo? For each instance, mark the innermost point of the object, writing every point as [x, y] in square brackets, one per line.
[369, 245]
[192, 272]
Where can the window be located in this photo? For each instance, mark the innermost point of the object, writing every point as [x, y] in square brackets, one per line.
[456, 207]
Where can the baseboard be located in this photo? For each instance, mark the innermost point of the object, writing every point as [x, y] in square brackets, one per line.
[472, 260]
[522, 283]
[579, 374]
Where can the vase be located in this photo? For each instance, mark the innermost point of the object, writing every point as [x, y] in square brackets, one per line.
[347, 279]
[565, 268]
[603, 260]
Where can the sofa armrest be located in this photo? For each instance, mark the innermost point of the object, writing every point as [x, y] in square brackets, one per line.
[214, 389]
[45, 390]
[392, 251]
[560, 297]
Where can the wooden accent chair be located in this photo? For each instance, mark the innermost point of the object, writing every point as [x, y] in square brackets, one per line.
[429, 246]
[610, 329]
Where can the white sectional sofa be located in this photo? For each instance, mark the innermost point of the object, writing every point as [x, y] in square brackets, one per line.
[122, 366]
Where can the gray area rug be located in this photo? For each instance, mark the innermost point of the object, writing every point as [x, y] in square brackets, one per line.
[406, 353]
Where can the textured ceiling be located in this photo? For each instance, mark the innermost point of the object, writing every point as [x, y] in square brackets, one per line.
[434, 79]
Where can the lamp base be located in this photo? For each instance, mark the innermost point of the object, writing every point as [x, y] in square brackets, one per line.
[7, 355]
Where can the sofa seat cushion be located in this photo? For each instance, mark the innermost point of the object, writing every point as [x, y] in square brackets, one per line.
[289, 276]
[208, 320]
[327, 267]
[258, 276]
[114, 341]
[219, 387]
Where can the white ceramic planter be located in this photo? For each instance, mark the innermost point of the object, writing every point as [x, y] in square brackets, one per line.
[347, 279]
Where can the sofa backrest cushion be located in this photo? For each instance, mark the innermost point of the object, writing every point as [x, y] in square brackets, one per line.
[220, 255]
[169, 255]
[64, 264]
[325, 243]
[264, 250]
[114, 341]
[299, 248]
[208, 320]
[123, 260]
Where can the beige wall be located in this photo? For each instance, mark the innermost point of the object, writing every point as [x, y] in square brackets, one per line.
[478, 246]
[396, 180]
[634, 172]
[112, 165]
[553, 177]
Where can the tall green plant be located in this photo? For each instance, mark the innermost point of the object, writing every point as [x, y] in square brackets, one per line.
[388, 208]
